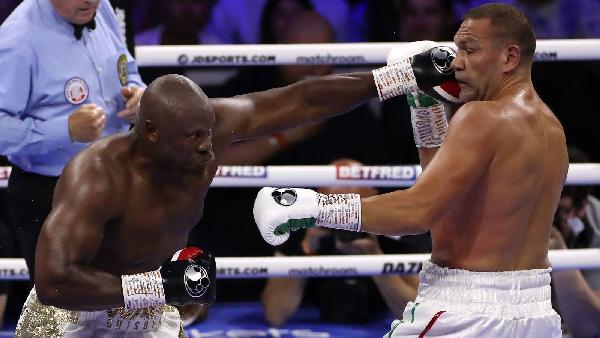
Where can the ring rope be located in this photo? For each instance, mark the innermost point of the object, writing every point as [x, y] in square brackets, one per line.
[319, 176]
[329, 266]
[327, 53]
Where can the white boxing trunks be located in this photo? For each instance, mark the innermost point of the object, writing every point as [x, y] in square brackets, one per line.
[461, 303]
[38, 320]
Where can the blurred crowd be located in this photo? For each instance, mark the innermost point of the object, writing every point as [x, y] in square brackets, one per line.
[239, 21]
[372, 134]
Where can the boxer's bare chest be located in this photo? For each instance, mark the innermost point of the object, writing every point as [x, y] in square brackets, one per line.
[156, 222]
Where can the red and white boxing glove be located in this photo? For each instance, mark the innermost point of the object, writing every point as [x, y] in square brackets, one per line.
[278, 211]
[418, 66]
[190, 277]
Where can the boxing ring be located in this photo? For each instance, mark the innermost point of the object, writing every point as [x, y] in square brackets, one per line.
[247, 320]
[327, 53]
[346, 265]
[314, 176]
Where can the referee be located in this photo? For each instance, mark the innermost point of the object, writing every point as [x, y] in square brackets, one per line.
[67, 80]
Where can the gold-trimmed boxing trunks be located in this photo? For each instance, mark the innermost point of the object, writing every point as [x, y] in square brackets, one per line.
[38, 320]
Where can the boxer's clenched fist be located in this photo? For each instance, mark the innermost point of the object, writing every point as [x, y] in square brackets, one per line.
[189, 277]
[278, 211]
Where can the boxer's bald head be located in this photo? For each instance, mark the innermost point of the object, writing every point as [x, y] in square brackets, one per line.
[177, 118]
[170, 98]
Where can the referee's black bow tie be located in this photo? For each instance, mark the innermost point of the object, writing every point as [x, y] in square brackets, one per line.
[78, 29]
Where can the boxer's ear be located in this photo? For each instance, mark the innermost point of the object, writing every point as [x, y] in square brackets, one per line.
[151, 131]
[512, 58]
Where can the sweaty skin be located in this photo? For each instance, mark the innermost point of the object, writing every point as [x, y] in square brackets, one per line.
[128, 202]
[488, 194]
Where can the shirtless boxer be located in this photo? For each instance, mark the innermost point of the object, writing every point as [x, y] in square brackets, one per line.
[488, 191]
[123, 206]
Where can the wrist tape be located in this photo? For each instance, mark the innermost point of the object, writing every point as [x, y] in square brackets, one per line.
[428, 119]
[339, 211]
[395, 79]
[143, 290]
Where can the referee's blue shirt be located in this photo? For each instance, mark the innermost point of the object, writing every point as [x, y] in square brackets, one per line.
[46, 74]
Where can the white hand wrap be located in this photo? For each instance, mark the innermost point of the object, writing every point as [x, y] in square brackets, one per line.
[339, 211]
[428, 119]
[143, 290]
[394, 80]
[398, 78]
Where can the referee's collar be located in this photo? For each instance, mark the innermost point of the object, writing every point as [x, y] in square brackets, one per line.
[78, 29]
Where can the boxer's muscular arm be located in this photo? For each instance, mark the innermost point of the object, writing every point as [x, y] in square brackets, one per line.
[84, 202]
[263, 113]
[426, 155]
[458, 164]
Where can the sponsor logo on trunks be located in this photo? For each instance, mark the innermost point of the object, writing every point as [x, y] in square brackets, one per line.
[242, 171]
[442, 58]
[255, 59]
[256, 271]
[401, 268]
[138, 320]
[355, 172]
[196, 280]
[331, 59]
[284, 196]
[323, 271]
[76, 90]
[545, 56]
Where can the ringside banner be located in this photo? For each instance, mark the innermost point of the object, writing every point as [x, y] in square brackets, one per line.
[330, 266]
[341, 176]
[326, 53]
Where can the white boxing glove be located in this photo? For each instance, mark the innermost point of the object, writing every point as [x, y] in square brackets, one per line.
[278, 211]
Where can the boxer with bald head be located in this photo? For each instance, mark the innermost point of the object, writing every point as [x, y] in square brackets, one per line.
[123, 206]
[490, 184]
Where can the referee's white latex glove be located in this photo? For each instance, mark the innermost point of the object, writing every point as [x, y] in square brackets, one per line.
[278, 211]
